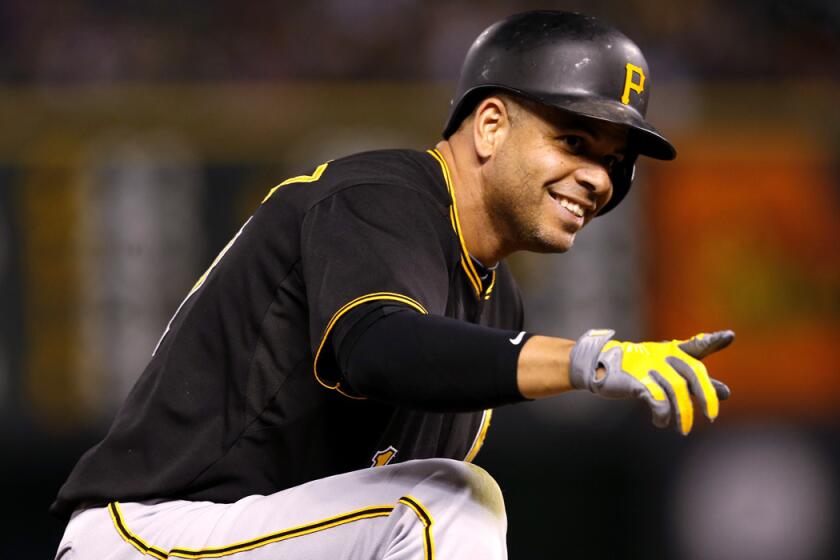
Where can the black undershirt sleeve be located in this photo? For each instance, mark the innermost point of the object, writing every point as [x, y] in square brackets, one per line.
[396, 355]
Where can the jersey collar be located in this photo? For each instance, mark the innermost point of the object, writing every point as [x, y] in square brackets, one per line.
[467, 264]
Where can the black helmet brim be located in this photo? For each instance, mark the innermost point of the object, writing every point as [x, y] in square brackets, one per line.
[643, 138]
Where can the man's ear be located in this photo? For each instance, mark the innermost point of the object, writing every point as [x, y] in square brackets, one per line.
[491, 124]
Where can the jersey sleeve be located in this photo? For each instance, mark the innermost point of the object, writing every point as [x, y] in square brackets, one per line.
[371, 243]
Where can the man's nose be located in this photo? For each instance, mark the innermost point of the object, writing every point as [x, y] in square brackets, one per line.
[595, 178]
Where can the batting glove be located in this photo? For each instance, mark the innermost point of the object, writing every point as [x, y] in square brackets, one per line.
[663, 374]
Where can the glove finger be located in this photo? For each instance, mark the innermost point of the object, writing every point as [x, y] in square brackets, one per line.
[699, 384]
[660, 409]
[721, 389]
[704, 344]
[677, 390]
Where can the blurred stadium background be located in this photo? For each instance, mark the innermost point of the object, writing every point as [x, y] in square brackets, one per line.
[135, 137]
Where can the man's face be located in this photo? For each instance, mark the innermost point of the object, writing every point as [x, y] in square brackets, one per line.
[550, 175]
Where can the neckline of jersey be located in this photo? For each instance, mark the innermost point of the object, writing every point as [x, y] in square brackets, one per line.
[466, 259]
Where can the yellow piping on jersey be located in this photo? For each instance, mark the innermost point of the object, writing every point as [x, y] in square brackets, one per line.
[480, 436]
[427, 521]
[250, 544]
[131, 538]
[347, 307]
[300, 179]
[476, 285]
[466, 261]
[491, 286]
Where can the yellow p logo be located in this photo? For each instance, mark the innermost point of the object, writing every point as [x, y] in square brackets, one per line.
[631, 84]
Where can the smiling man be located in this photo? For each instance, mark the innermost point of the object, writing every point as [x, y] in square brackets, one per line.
[323, 388]
[534, 174]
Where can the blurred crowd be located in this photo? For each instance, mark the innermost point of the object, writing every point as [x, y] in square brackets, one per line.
[75, 41]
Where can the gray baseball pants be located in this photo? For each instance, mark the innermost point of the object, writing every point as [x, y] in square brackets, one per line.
[425, 509]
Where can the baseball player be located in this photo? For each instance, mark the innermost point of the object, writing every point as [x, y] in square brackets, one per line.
[323, 388]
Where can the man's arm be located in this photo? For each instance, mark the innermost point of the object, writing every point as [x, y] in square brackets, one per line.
[428, 362]
[437, 363]
[543, 367]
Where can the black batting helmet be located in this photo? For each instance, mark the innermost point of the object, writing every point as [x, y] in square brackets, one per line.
[570, 61]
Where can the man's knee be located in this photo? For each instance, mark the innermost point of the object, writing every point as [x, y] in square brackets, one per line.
[460, 478]
[466, 505]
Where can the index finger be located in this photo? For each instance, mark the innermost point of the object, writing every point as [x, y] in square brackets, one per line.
[676, 388]
[704, 344]
[695, 373]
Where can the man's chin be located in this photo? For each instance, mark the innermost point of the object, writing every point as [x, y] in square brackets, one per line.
[557, 244]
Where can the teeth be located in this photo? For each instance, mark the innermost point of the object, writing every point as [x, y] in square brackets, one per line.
[572, 207]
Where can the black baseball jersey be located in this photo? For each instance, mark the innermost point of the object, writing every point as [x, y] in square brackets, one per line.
[241, 396]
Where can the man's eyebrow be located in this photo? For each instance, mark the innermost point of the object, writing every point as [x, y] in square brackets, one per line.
[578, 124]
[584, 126]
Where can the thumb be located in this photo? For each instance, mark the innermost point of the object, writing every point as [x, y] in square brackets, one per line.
[721, 389]
[703, 344]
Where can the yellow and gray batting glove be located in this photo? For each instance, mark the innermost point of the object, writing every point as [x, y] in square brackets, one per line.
[663, 374]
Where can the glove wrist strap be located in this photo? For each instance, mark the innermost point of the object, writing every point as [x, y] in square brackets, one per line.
[584, 357]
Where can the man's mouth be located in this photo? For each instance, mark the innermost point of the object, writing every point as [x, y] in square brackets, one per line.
[572, 207]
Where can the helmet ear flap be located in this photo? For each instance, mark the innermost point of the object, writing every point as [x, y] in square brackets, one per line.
[622, 178]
